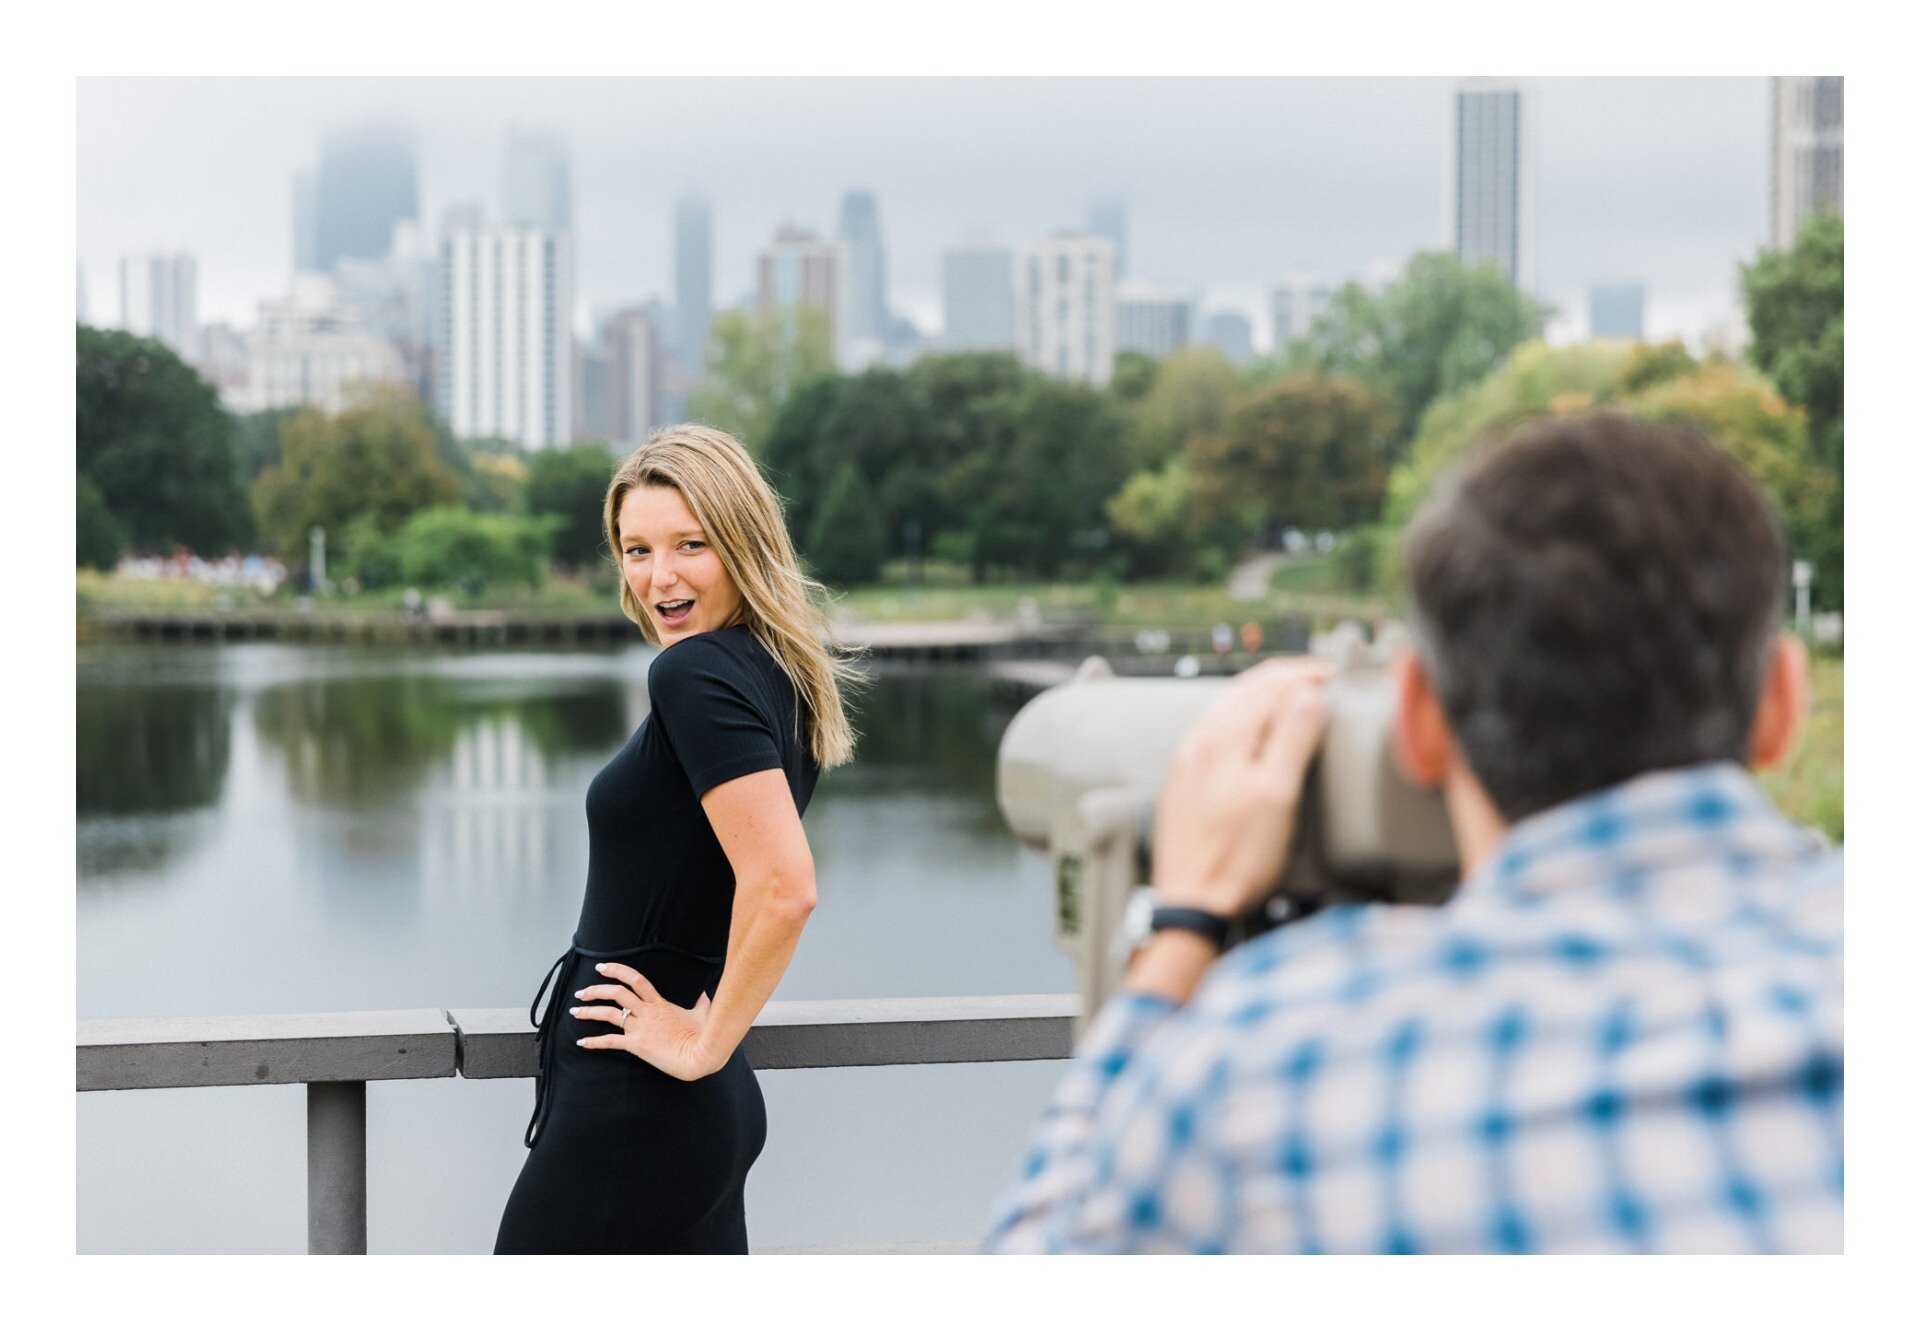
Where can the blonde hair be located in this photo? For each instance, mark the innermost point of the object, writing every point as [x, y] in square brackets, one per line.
[742, 517]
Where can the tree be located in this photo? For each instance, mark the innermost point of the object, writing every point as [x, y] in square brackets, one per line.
[753, 362]
[972, 404]
[379, 457]
[98, 538]
[569, 485]
[1735, 407]
[1307, 450]
[452, 547]
[1035, 499]
[1152, 518]
[846, 543]
[151, 436]
[1440, 327]
[1190, 393]
[1796, 310]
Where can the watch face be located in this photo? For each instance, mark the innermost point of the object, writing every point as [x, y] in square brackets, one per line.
[1136, 923]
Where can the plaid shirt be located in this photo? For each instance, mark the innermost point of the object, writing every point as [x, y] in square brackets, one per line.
[1622, 1034]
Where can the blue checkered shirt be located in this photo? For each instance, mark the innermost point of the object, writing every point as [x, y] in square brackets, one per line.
[1622, 1034]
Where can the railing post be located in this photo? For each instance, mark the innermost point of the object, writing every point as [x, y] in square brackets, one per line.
[336, 1167]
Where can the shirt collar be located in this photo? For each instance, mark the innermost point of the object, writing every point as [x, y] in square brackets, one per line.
[1657, 820]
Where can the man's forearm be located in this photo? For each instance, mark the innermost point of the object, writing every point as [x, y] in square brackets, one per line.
[1171, 965]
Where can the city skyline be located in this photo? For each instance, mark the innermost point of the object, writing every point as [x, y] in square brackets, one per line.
[1347, 180]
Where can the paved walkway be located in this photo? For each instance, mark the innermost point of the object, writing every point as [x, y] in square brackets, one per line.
[1249, 581]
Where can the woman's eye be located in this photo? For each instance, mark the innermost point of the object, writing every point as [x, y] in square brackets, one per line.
[694, 545]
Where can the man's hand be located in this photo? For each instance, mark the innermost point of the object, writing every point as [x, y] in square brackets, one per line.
[1227, 810]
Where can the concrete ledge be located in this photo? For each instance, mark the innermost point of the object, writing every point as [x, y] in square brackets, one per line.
[127, 1055]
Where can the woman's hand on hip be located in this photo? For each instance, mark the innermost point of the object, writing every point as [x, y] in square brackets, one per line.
[649, 1027]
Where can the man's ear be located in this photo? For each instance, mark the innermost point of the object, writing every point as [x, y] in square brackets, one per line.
[1784, 699]
[1421, 740]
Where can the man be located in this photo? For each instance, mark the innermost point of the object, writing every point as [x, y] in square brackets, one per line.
[1622, 1033]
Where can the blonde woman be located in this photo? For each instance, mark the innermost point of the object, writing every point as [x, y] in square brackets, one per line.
[646, 1114]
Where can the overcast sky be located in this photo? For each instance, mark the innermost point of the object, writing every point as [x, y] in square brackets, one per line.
[1231, 183]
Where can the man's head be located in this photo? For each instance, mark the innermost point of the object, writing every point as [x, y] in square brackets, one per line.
[1597, 598]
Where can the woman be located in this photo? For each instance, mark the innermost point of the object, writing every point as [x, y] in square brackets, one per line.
[646, 1114]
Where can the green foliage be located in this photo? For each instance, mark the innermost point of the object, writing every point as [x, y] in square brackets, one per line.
[380, 457]
[257, 440]
[846, 544]
[1796, 306]
[98, 539]
[1190, 393]
[1360, 557]
[369, 556]
[1133, 377]
[754, 361]
[569, 485]
[1306, 450]
[495, 483]
[1437, 329]
[151, 436]
[454, 548]
[1152, 519]
[1739, 410]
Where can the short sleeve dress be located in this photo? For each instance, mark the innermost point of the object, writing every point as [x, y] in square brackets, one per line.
[625, 1158]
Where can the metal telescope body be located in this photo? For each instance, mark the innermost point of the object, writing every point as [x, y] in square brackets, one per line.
[1080, 772]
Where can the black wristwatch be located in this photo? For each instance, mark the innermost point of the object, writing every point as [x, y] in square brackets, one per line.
[1209, 926]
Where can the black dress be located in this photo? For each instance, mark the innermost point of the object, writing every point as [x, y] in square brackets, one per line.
[624, 1157]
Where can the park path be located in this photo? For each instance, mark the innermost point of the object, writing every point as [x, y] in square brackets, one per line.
[1248, 582]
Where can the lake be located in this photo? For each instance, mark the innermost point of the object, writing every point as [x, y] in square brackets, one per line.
[270, 828]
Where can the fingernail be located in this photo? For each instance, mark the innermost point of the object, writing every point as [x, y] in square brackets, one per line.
[573, 1011]
[579, 993]
[583, 1040]
[600, 966]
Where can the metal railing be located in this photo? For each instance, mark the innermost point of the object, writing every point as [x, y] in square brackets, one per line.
[335, 1054]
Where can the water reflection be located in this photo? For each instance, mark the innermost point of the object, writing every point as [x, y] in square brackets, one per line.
[150, 749]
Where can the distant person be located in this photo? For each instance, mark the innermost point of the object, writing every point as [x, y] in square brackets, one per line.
[1623, 1033]
[647, 1115]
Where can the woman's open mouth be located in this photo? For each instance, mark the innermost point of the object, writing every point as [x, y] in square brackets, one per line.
[673, 613]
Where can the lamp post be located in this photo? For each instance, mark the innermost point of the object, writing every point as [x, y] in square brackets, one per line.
[1802, 595]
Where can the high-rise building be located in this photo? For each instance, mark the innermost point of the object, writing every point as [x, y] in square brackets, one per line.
[1108, 217]
[1807, 152]
[1152, 321]
[1231, 332]
[158, 299]
[506, 370]
[976, 296]
[310, 348]
[634, 385]
[800, 268]
[692, 279]
[306, 224]
[538, 188]
[1063, 306]
[1296, 304]
[592, 392]
[1617, 309]
[226, 363]
[366, 183]
[79, 293]
[866, 298]
[1490, 178]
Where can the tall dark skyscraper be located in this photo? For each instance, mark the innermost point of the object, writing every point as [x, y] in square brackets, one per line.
[866, 297]
[692, 276]
[1490, 180]
[538, 187]
[365, 184]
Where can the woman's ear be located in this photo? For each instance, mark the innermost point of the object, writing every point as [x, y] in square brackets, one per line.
[1421, 739]
[1784, 700]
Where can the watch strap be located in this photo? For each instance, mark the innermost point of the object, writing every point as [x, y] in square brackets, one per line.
[1209, 926]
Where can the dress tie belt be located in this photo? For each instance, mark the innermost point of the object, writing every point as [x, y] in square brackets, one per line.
[681, 977]
[547, 1031]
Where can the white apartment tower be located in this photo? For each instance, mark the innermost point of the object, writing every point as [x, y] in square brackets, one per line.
[1063, 306]
[507, 366]
[311, 348]
[1490, 178]
[158, 299]
[1807, 152]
